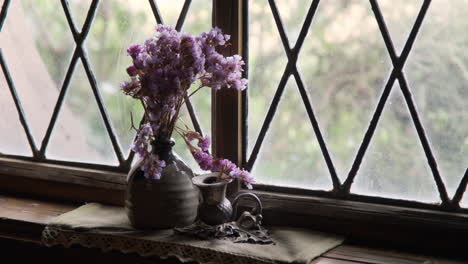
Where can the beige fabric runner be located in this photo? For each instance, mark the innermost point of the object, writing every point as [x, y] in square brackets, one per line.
[107, 227]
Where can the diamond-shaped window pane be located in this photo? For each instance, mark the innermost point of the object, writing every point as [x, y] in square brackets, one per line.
[344, 64]
[292, 15]
[79, 134]
[395, 165]
[12, 137]
[437, 71]
[79, 10]
[170, 10]
[291, 155]
[37, 45]
[400, 16]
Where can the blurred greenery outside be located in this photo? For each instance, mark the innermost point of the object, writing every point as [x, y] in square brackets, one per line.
[344, 66]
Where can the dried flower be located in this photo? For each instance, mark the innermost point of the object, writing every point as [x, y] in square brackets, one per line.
[163, 70]
[204, 143]
[206, 162]
[153, 166]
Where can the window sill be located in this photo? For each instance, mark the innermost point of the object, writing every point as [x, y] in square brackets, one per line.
[23, 219]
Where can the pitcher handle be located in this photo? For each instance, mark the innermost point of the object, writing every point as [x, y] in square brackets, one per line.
[256, 211]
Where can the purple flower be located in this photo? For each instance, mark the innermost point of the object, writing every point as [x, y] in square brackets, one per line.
[192, 57]
[223, 165]
[134, 50]
[204, 160]
[140, 146]
[140, 61]
[244, 176]
[132, 70]
[224, 72]
[213, 38]
[163, 70]
[204, 143]
[152, 167]
[131, 88]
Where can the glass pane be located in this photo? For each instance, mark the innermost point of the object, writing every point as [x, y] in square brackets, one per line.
[292, 14]
[117, 25]
[37, 44]
[79, 134]
[437, 71]
[291, 155]
[395, 165]
[170, 10]
[399, 16]
[79, 10]
[198, 18]
[344, 64]
[13, 138]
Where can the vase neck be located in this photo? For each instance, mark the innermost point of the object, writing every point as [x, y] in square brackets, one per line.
[163, 148]
[213, 194]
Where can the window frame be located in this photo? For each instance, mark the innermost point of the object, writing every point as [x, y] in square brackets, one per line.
[359, 216]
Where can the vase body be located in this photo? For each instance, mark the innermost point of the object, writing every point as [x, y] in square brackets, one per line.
[215, 208]
[169, 202]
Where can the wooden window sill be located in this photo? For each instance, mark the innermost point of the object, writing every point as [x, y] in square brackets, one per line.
[23, 219]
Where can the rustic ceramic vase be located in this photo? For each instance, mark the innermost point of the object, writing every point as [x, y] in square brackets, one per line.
[215, 208]
[169, 202]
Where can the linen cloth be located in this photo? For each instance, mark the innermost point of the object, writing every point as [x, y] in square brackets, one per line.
[107, 227]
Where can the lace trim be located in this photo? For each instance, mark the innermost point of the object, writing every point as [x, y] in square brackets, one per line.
[52, 236]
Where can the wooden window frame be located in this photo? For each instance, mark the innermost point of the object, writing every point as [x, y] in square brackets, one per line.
[360, 217]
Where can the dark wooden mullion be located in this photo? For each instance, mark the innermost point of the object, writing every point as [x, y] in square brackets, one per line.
[156, 12]
[408, 98]
[227, 104]
[244, 97]
[460, 190]
[79, 39]
[292, 56]
[397, 68]
[3, 13]
[19, 107]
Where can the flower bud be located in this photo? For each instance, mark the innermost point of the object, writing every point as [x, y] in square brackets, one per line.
[132, 70]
